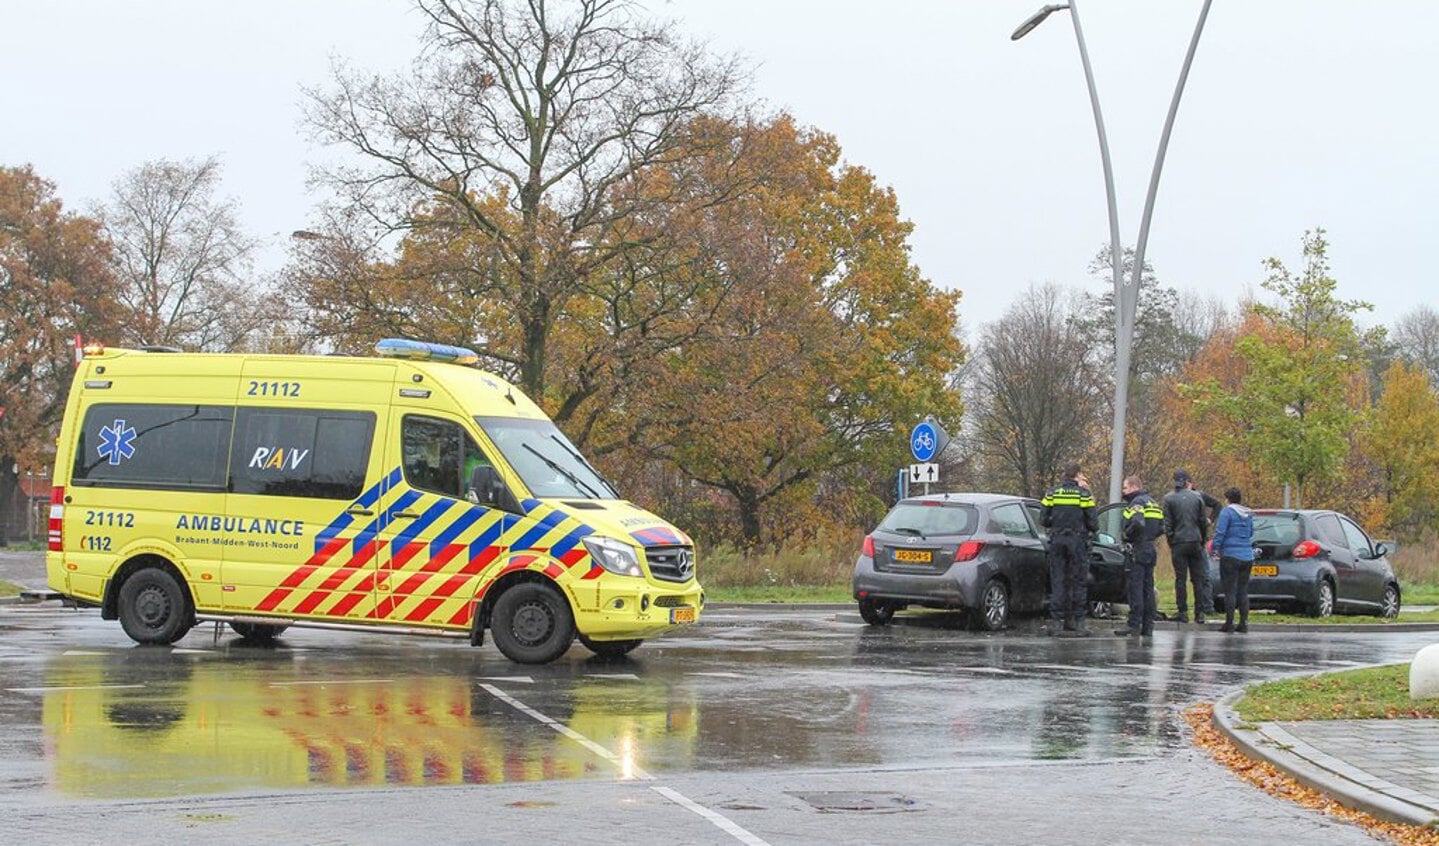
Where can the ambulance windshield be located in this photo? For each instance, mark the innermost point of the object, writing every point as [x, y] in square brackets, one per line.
[545, 459]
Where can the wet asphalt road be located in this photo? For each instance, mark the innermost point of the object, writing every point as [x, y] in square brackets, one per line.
[785, 726]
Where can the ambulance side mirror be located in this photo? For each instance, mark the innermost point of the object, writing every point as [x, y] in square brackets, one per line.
[487, 489]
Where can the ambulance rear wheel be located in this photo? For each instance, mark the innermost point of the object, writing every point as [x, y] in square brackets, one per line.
[154, 608]
[532, 623]
[258, 632]
[610, 648]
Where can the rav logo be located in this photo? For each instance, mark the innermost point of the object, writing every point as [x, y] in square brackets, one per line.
[277, 458]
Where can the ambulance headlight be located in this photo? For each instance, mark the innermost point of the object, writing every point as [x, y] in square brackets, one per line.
[615, 556]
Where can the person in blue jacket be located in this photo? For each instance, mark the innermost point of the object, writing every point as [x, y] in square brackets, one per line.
[1234, 544]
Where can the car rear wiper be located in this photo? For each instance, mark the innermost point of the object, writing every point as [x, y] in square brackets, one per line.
[905, 530]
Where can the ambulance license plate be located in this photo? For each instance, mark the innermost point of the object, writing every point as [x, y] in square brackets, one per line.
[682, 615]
[1264, 570]
[913, 556]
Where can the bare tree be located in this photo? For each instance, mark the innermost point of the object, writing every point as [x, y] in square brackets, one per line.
[524, 131]
[1036, 391]
[181, 259]
[1417, 336]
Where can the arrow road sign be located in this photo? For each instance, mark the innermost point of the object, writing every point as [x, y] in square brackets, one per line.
[923, 473]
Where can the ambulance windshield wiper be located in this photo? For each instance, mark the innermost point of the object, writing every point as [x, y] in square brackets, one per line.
[585, 461]
[575, 480]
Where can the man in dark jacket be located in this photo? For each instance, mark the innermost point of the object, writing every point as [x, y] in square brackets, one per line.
[1185, 525]
[1069, 513]
[1143, 523]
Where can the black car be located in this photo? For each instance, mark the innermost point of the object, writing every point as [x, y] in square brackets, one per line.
[1319, 563]
[982, 553]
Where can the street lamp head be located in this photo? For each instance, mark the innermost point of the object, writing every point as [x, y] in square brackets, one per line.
[1035, 20]
[307, 235]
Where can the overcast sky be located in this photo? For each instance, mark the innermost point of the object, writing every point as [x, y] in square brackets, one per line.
[1297, 114]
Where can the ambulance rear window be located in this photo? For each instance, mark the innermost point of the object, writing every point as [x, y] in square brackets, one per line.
[180, 447]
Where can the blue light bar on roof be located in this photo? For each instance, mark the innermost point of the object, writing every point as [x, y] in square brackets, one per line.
[422, 351]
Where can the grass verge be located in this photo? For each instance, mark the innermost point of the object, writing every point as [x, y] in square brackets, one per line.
[8, 589]
[1369, 693]
[779, 593]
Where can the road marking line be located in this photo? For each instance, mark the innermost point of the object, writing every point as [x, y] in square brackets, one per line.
[73, 687]
[331, 681]
[627, 768]
[724, 823]
[513, 679]
[83, 652]
[717, 675]
[186, 651]
[625, 676]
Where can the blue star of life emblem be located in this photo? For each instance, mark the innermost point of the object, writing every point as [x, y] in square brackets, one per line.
[117, 442]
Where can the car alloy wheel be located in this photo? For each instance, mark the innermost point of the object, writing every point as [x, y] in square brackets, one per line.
[1324, 600]
[1391, 602]
[994, 606]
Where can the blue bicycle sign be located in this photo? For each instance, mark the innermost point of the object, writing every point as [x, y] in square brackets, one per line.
[923, 441]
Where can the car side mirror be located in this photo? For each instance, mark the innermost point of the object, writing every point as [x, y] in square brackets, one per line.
[1382, 550]
[1105, 538]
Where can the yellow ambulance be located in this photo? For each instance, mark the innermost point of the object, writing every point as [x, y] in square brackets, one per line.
[407, 492]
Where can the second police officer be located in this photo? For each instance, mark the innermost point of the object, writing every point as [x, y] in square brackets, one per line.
[1069, 513]
[1143, 523]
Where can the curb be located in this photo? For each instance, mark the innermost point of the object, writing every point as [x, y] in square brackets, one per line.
[1306, 765]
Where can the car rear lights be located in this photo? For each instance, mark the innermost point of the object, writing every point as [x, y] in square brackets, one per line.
[57, 519]
[868, 547]
[969, 550]
[1305, 549]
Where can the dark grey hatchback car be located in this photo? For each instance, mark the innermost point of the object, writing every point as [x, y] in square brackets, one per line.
[982, 553]
[1317, 562]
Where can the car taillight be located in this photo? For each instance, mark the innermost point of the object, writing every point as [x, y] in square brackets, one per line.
[1305, 549]
[969, 550]
[868, 548]
[57, 519]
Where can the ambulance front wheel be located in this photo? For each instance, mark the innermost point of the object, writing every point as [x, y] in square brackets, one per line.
[260, 633]
[610, 648]
[532, 624]
[154, 608]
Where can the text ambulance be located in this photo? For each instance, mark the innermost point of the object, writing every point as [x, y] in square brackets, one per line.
[406, 493]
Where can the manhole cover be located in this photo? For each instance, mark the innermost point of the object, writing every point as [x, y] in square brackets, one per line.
[834, 801]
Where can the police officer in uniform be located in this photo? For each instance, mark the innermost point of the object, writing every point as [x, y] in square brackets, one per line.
[1143, 522]
[1068, 512]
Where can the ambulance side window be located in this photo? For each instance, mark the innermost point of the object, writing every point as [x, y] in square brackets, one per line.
[162, 447]
[438, 455]
[299, 452]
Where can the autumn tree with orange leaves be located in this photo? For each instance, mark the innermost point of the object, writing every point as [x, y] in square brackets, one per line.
[54, 284]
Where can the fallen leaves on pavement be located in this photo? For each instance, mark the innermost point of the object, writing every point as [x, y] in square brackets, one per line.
[1275, 783]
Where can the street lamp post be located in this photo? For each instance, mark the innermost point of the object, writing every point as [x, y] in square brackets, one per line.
[1126, 294]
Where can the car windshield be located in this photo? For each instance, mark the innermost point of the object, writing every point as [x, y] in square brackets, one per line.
[1277, 529]
[544, 458]
[930, 518]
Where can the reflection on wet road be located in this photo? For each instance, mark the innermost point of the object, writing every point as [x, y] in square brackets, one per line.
[83, 714]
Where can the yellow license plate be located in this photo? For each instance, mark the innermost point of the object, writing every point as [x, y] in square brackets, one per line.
[913, 556]
[1264, 570]
[682, 615]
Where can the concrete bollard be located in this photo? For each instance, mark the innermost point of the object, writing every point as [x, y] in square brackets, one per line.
[1424, 674]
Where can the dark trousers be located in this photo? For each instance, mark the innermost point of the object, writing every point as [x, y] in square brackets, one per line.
[1234, 577]
[1068, 574]
[1139, 570]
[1189, 564]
